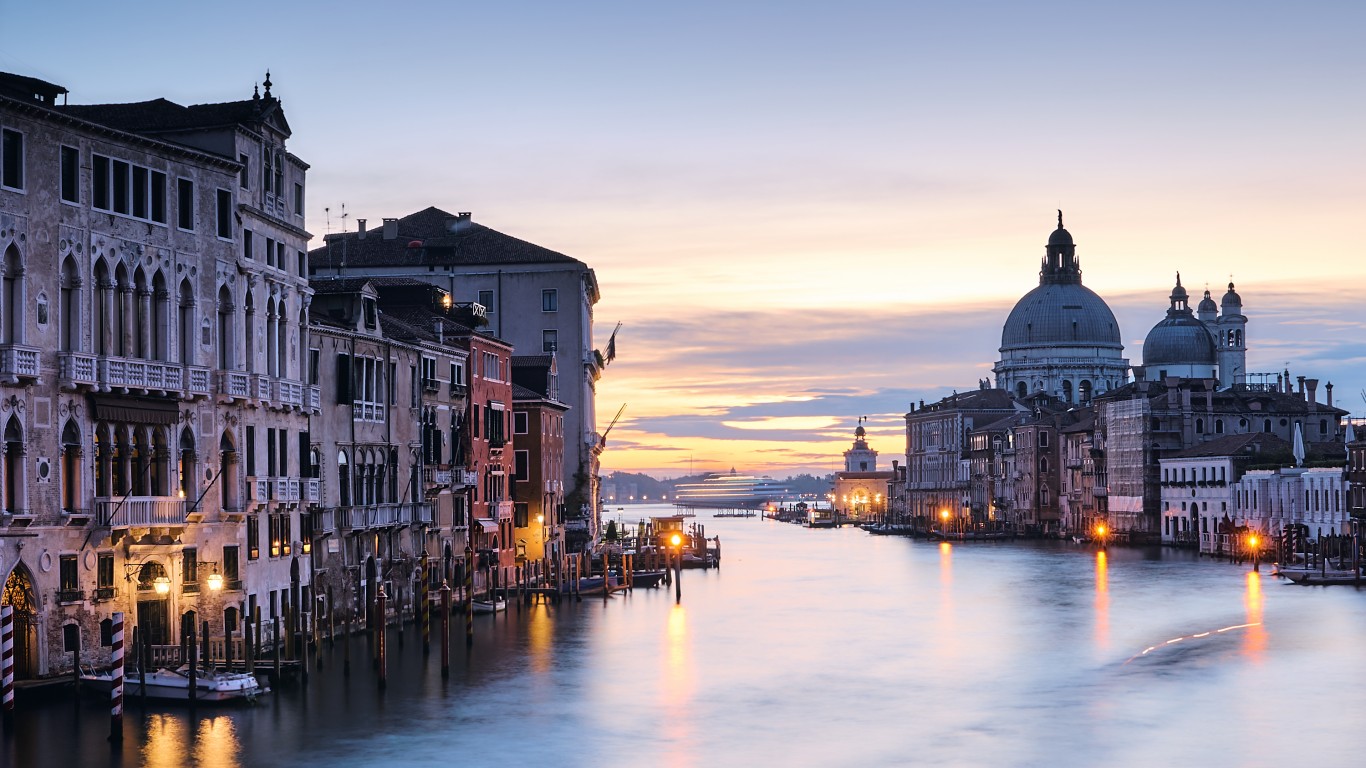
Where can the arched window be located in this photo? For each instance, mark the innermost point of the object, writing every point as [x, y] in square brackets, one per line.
[161, 319]
[303, 347]
[1218, 426]
[343, 480]
[185, 323]
[189, 464]
[227, 472]
[118, 455]
[1085, 390]
[272, 322]
[121, 322]
[1066, 391]
[226, 359]
[137, 458]
[13, 330]
[141, 316]
[69, 311]
[281, 339]
[1266, 425]
[14, 467]
[71, 466]
[1323, 426]
[156, 471]
[1022, 390]
[1199, 426]
[249, 331]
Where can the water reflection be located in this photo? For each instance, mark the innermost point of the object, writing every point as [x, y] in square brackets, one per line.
[172, 742]
[540, 633]
[677, 691]
[1102, 601]
[1254, 639]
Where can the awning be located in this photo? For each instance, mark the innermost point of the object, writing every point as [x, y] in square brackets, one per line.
[135, 410]
[489, 526]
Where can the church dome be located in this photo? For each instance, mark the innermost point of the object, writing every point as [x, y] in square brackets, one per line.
[1060, 236]
[1207, 304]
[1060, 314]
[1180, 339]
[1232, 299]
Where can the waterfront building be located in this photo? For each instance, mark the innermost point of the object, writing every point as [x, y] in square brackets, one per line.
[1084, 480]
[1061, 338]
[1272, 500]
[538, 458]
[937, 470]
[153, 317]
[1197, 484]
[861, 490]
[1210, 346]
[535, 299]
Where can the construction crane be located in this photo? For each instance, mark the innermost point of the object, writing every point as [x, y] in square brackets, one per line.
[602, 439]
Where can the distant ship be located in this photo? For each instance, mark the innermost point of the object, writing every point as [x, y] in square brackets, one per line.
[730, 491]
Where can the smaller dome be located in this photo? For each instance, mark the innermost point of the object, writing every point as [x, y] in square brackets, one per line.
[1207, 304]
[1060, 236]
[1179, 340]
[1232, 298]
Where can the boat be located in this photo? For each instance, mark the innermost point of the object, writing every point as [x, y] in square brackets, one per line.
[1317, 576]
[488, 606]
[971, 535]
[730, 491]
[646, 579]
[174, 685]
[736, 513]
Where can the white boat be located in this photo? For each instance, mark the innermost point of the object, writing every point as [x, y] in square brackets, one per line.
[174, 685]
[485, 606]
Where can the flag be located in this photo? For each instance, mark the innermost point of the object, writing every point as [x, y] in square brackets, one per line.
[612, 344]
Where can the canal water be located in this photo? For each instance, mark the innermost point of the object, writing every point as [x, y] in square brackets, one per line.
[828, 647]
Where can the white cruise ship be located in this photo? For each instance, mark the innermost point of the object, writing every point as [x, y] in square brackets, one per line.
[729, 490]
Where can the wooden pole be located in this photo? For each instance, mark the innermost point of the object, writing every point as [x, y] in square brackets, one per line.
[143, 664]
[445, 630]
[426, 608]
[204, 650]
[678, 576]
[346, 645]
[227, 645]
[331, 620]
[256, 648]
[381, 608]
[469, 596]
[276, 646]
[194, 675]
[116, 675]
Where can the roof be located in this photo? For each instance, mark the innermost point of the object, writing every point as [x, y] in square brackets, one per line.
[441, 237]
[520, 392]
[974, 400]
[162, 115]
[1061, 315]
[326, 286]
[532, 361]
[1236, 445]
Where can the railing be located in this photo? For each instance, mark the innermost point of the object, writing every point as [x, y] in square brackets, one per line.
[233, 384]
[433, 476]
[312, 490]
[289, 393]
[18, 361]
[466, 477]
[70, 595]
[361, 411]
[137, 511]
[282, 489]
[75, 370]
[326, 521]
[314, 398]
[261, 388]
[198, 381]
[503, 510]
[258, 489]
[374, 516]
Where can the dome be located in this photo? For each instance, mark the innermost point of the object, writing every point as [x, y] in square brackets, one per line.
[1060, 236]
[1232, 298]
[1179, 340]
[1207, 304]
[1060, 314]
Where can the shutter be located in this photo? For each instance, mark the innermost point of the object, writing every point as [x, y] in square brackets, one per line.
[344, 379]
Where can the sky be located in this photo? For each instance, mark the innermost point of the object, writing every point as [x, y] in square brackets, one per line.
[800, 212]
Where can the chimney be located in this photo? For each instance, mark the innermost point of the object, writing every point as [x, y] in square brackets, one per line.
[1313, 385]
[1300, 391]
[391, 229]
[440, 331]
[360, 223]
[1329, 389]
[458, 222]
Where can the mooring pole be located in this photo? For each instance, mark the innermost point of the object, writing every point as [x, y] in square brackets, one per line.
[116, 679]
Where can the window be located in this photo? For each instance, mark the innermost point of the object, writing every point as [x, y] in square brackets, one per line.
[71, 174]
[190, 567]
[124, 188]
[429, 381]
[298, 198]
[493, 427]
[521, 471]
[247, 238]
[184, 201]
[1043, 439]
[251, 450]
[519, 423]
[550, 300]
[254, 537]
[549, 340]
[12, 162]
[457, 376]
[486, 299]
[302, 258]
[104, 571]
[243, 174]
[230, 567]
[70, 581]
[224, 214]
[521, 515]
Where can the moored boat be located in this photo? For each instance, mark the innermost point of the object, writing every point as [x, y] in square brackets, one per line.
[174, 685]
[488, 606]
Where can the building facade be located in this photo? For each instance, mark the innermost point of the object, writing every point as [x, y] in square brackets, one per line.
[148, 344]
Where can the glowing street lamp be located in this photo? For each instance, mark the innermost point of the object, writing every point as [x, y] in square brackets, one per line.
[215, 581]
[162, 585]
[676, 541]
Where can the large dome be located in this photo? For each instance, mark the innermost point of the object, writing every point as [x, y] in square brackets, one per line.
[1060, 314]
[1179, 340]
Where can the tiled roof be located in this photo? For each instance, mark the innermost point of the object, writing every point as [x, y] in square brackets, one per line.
[520, 392]
[324, 286]
[161, 115]
[532, 361]
[444, 238]
[1236, 445]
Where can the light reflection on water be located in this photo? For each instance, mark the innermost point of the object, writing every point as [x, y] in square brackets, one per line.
[825, 648]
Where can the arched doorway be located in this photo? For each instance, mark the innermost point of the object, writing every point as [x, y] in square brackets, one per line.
[153, 607]
[19, 594]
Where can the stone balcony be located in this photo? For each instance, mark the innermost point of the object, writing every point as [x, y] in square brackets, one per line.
[105, 374]
[361, 518]
[18, 363]
[140, 511]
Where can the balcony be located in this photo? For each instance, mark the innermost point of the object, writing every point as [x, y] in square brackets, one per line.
[312, 490]
[503, 510]
[140, 511]
[289, 394]
[18, 362]
[434, 476]
[233, 384]
[107, 373]
[75, 370]
[362, 411]
[261, 387]
[314, 399]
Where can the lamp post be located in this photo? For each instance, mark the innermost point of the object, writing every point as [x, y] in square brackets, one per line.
[676, 540]
[1101, 531]
[1252, 544]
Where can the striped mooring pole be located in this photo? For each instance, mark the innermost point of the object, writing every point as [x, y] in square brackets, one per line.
[116, 674]
[7, 662]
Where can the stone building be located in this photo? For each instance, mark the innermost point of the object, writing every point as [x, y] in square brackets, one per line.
[937, 465]
[538, 300]
[153, 315]
[862, 490]
[538, 459]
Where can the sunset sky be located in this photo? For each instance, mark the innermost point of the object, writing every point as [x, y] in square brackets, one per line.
[807, 212]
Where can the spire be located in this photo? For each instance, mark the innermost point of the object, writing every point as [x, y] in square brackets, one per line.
[267, 83]
[1060, 258]
[1059, 218]
[255, 92]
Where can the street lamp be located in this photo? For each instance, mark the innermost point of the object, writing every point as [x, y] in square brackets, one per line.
[162, 585]
[1252, 542]
[1100, 534]
[676, 540]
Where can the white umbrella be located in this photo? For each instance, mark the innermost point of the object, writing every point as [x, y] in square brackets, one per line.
[1349, 437]
[1297, 446]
